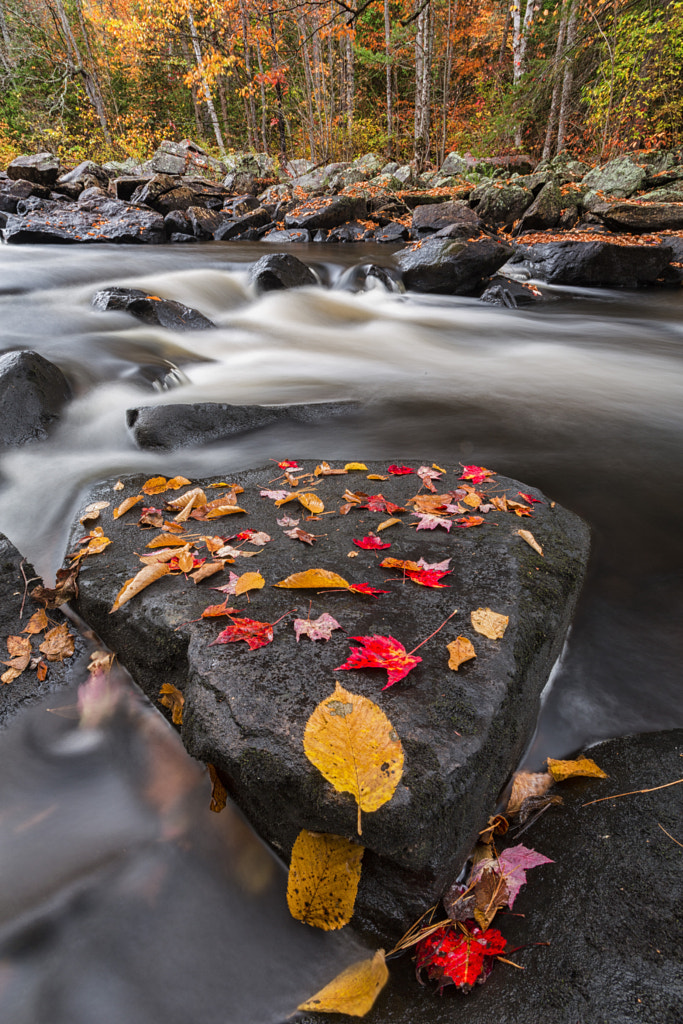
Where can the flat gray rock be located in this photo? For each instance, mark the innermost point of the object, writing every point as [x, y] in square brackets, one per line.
[246, 710]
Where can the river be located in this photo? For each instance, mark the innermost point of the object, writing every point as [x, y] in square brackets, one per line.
[581, 396]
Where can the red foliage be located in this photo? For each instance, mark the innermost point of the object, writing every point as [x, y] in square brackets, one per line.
[477, 474]
[371, 544]
[452, 956]
[381, 652]
[255, 634]
[400, 470]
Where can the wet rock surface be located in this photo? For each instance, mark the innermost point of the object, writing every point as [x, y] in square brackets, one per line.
[280, 270]
[41, 168]
[151, 309]
[33, 392]
[594, 263]
[609, 907]
[451, 268]
[167, 427]
[245, 711]
[100, 220]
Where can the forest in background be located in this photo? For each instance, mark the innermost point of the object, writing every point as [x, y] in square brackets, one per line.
[331, 79]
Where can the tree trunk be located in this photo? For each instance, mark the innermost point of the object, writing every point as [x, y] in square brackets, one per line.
[387, 53]
[249, 105]
[568, 80]
[422, 86]
[90, 82]
[557, 84]
[205, 85]
[198, 120]
[308, 85]
[282, 138]
[350, 78]
[448, 65]
[264, 133]
[506, 33]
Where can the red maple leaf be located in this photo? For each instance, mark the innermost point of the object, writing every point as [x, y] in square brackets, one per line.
[381, 652]
[365, 588]
[453, 956]
[288, 464]
[378, 503]
[371, 544]
[400, 470]
[477, 474]
[427, 577]
[529, 497]
[465, 521]
[256, 634]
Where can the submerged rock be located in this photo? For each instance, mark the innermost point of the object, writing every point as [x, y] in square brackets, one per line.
[167, 313]
[167, 427]
[451, 268]
[33, 392]
[280, 270]
[246, 710]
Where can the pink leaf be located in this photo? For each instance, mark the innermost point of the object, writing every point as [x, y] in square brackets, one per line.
[316, 629]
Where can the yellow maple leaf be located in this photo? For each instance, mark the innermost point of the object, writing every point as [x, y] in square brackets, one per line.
[460, 650]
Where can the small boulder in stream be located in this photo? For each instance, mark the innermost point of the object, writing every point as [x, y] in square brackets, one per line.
[33, 392]
[449, 267]
[280, 270]
[246, 710]
[151, 309]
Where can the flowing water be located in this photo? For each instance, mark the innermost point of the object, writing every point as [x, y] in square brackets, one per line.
[581, 396]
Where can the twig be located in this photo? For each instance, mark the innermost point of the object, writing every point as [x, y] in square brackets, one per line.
[511, 963]
[26, 583]
[454, 612]
[632, 792]
[670, 836]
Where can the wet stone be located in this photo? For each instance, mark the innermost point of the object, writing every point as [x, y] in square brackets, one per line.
[246, 711]
[151, 309]
[33, 392]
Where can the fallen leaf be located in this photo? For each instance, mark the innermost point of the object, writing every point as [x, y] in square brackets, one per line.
[255, 634]
[126, 504]
[387, 523]
[165, 555]
[276, 495]
[371, 543]
[430, 522]
[378, 503]
[194, 498]
[258, 537]
[459, 651]
[459, 902]
[287, 521]
[166, 540]
[433, 565]
[297, 534]
[172, 698]
[41, 671]
[118, 486]
[432, 503]
[491, 895]
[100, 661]
[354, 991]
[288, 464]
[37, 623]
[399, 470]
[214, 611]
[219, 794]
[477, 474]
[351, 467]
[249, 581]
[313, 578]
[456, 957]
[354, 746]
[64, 589]
[324, 469]
[472, 500]
[376, 476]
[512, 864]
[490, 624]
[381, 652]
[526, 786]
[58, 643]
[176, 482]
[92, 512]
[529, 497]
[206, 570]
[531, 540]
[399, 563]
[155, 485]
[426, 475]
[227, 551]
[466, 521]
[583, 766]
[215, 510]
[133, 586]
[316, 629]
[323, 879]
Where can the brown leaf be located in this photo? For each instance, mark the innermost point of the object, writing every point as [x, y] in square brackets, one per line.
[561, 770]
[298, 534]
[171, 697]
[64, 589]
[460, 650]
[196, 496]
[323, 879]
[92, 512]
[219, 794]
[526, 785]
[164, 555]
[41, 670]
[18, 646]
[387, 523]
[118, 486]
[309, 501]
[37, 623]
[354, 991]
[58, 644]
[176, 482]
[528, 536]
[133, 586]
[313, 578]
[491, 893]
[206, 570]
[101, 661]
[459, 902]
[489, 623]
[126, 504]
[166, 540]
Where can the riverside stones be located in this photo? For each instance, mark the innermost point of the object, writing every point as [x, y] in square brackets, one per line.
[41, 168]
[593, 263]
[33, 392]
[151, 309]
[451, 268]
[245, 711]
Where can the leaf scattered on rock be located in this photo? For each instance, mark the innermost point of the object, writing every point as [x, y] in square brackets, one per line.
[126, 504]
[459, 651]
[172, 698]
[148, 574]
[528, 536]
[489, 623]
[323, 879]
[456, 955]
[371, 543]
[219, 794]
[58, 643]
[527, 786]
[583, 766]
[355, 747]
[381, 652]
[354, 991]
[298, 534]
[37, 623]
[316, 629]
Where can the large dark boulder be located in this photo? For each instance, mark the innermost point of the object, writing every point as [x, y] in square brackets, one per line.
[41, 168]
[503, 204]
[204, 222]
[101, 220]
[86, 172]
[605, 264]
[164, 193]
[258, 218]
[12, 192]
[245, 711]
[280, 270]
[456, 216]
[126, 186]
[621, 177]
[167, 427]
[151, 309]
[326, 213]
[394, 231]
[451, 268]
[640, 217]
[33, 392]
[545, 210]
[355, 231]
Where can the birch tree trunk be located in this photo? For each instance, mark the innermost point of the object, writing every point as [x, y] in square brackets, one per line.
[76, 67]
[422, 85]
[520, 38]
[205, 85]
[557, 84]
[350, 78]
[568, 79]
[198, 120]
[387, 54]
[250, 106]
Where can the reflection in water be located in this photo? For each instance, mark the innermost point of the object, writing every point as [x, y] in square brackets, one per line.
[581, 397]
[124, 899]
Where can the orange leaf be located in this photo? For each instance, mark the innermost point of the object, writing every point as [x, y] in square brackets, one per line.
[37, 623]
[133, 586]
[313, 578]
[126, 504]
[171, 697]
[155, 485]
[460, 650]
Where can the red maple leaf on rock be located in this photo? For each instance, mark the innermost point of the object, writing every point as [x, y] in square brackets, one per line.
[381, 652]
[378, 503]
[400, 470]
[453, 956]
[477, 474]
[365, 588]
[427, 577]
[256, 634]
[371, 544]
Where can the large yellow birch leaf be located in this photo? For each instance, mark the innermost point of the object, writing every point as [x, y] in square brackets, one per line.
[323, 879]
[133, 586]
[354, 991]
[313, 578]
[561, 770]
[353, 744]
[490, 624]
